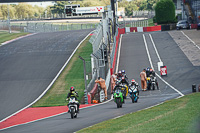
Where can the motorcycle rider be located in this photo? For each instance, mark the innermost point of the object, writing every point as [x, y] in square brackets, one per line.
[123, 80]
[117, 85]
[154, 75]
[148, 73]
[124, 74]
[134, 83]
[73, 93]
[119, 75]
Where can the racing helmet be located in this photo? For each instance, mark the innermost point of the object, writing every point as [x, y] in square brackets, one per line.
[123, 71]
[148, 69]
[133, 81]
[119, 72]
[72, 89]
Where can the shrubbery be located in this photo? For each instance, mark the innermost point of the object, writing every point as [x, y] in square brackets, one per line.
[165, 12]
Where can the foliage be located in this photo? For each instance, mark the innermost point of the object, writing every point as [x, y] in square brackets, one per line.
[135, 5]
[20, 11]
[4, 11]
[165, 12]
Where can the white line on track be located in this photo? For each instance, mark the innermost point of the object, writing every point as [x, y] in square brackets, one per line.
[155, 48]
[191, 40]
[50, 83]
[149, 57]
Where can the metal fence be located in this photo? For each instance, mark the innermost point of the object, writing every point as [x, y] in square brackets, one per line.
[45, 27]
[133, 23]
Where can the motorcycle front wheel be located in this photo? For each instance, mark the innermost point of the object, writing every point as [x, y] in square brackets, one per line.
[72, 113]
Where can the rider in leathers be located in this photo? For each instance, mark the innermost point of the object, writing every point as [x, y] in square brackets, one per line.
[73, 93]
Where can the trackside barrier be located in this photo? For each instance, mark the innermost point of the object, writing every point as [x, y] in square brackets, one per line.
[127, 29]
[133, 29]
[140, 29]
[120, 31]
[89, 98]
[193, 26]
[93, 91]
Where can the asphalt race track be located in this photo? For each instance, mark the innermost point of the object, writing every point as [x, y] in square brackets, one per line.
[28, 65]
[181, 75]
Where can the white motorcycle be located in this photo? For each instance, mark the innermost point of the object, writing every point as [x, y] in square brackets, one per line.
[73, 107]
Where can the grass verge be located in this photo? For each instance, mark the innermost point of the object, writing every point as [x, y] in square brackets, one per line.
[5, 36]
[174, 116]
[72, 75]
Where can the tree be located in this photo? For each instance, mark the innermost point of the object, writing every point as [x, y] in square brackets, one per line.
[4, 11]
[165, 12]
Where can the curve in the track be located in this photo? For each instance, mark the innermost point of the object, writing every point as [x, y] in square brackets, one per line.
[133, 59]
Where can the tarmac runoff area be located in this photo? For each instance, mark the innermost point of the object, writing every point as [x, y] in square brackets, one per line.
[189, 43]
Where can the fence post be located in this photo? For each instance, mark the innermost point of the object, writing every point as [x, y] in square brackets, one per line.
[44, 26]
[35, 26]
[21, 27]
[27, 26]
[85, 91]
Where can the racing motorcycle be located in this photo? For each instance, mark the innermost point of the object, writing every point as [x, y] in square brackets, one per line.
[133, 93]
[124, 90]
[148, 83]
[118, 97]
[153, 82]
[73, 107]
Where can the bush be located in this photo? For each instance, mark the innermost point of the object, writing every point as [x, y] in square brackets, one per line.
[165, 12]
[154, 19]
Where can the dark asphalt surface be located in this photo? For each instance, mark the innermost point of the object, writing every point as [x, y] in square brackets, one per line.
[133, 59]
[28, 65]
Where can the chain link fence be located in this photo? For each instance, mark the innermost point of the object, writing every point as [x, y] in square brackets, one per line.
[35, 27]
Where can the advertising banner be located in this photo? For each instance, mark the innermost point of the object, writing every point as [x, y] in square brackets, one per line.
[84, 10]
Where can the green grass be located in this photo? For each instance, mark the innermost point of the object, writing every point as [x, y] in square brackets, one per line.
[140, 23]
[5, 36]
[72, 75]
[150, 22]
[174, 116]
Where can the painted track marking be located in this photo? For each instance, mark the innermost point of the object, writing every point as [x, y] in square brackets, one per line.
[49, 86]
[191, 40]
[155, 48]
[149, 57]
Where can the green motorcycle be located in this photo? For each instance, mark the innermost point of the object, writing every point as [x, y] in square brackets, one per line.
[118, 97]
